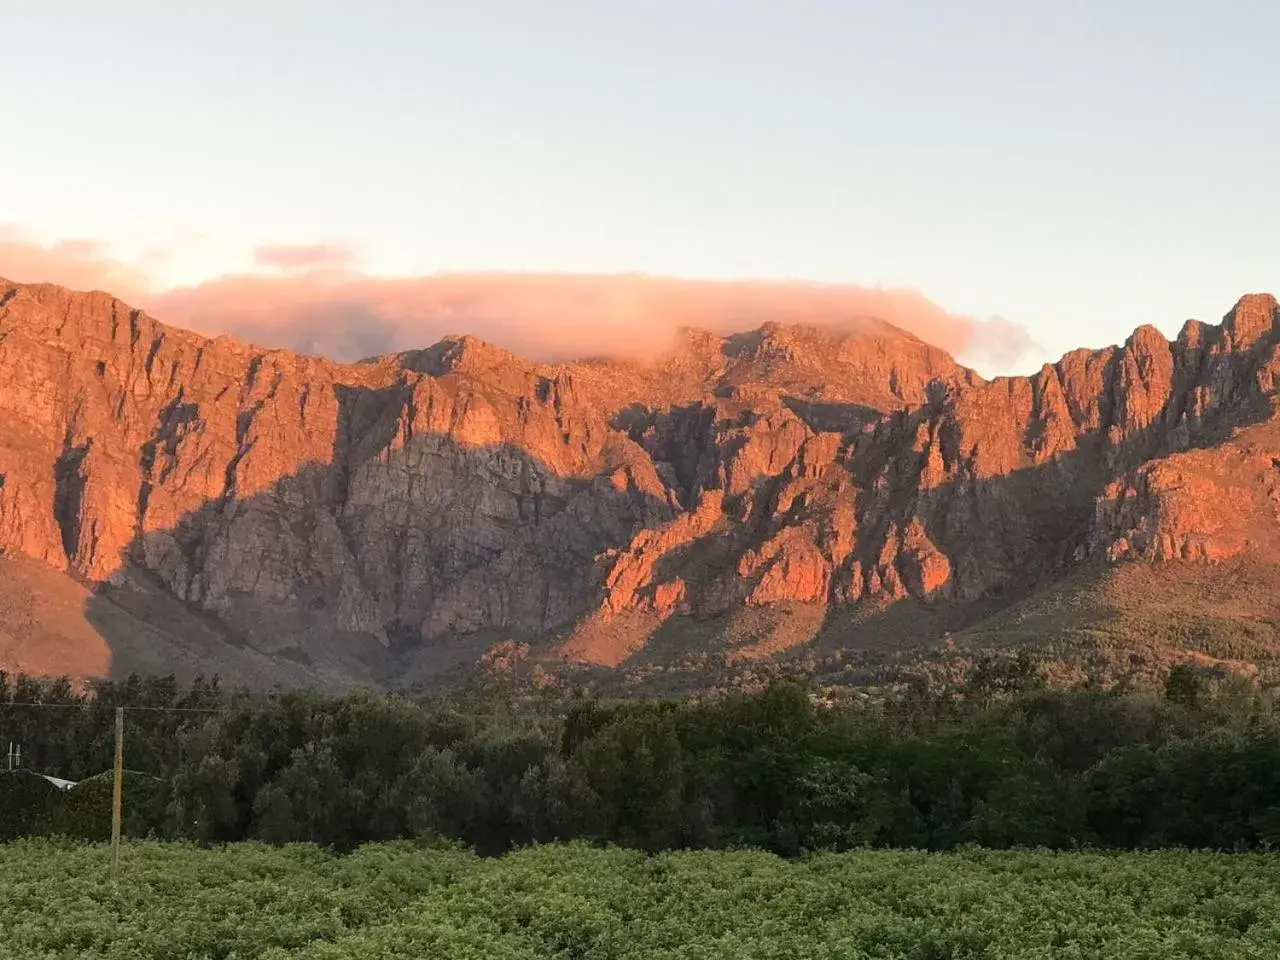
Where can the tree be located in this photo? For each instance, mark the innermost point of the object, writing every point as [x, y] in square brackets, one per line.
[1184, 685]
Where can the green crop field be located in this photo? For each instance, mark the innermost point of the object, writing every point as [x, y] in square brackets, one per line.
[574, 901]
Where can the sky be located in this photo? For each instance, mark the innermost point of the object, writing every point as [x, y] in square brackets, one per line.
[1051, 174]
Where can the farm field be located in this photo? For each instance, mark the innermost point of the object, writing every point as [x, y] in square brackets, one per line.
[574, 901]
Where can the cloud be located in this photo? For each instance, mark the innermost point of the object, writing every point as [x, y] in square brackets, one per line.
[998, 344]
[313, 302]
[305, 256]
[78, 264]
[551, 317]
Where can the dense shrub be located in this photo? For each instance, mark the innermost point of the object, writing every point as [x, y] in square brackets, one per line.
[574, 902]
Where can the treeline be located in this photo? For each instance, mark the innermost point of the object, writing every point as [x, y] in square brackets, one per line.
[1001, 763]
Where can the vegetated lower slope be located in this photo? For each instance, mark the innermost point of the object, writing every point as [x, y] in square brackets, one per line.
[1141, 618]
[575, 901]
[834, 499]
[1097, 623]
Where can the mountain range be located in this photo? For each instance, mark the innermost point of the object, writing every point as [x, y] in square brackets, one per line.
[842, 500]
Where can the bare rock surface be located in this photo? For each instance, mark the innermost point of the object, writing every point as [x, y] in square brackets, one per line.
[287, 517]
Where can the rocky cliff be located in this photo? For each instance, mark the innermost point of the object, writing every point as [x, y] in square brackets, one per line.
[357, 520]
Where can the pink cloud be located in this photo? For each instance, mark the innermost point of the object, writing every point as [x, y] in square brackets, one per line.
[549, 317]
[315, 304]
[78, 264]
[304, 256]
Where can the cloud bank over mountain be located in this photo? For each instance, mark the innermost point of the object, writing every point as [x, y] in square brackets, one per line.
[316, 299]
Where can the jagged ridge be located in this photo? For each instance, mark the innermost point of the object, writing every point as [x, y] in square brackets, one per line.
[363, 517]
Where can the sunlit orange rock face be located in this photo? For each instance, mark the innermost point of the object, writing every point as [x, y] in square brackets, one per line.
[461, 491]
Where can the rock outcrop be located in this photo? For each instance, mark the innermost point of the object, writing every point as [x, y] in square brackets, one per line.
[457, 491]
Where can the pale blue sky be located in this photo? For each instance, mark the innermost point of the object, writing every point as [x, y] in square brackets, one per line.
[1077, 167]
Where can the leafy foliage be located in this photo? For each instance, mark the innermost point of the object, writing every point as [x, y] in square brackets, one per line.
[575, 902]
[1006, 763]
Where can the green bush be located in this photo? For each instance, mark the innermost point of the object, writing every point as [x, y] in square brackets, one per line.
[576, 902]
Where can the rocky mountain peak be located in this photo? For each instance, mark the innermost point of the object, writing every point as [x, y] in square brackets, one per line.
[1253, 317]
[464, 354]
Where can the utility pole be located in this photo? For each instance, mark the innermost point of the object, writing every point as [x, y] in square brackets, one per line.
[117, 798]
